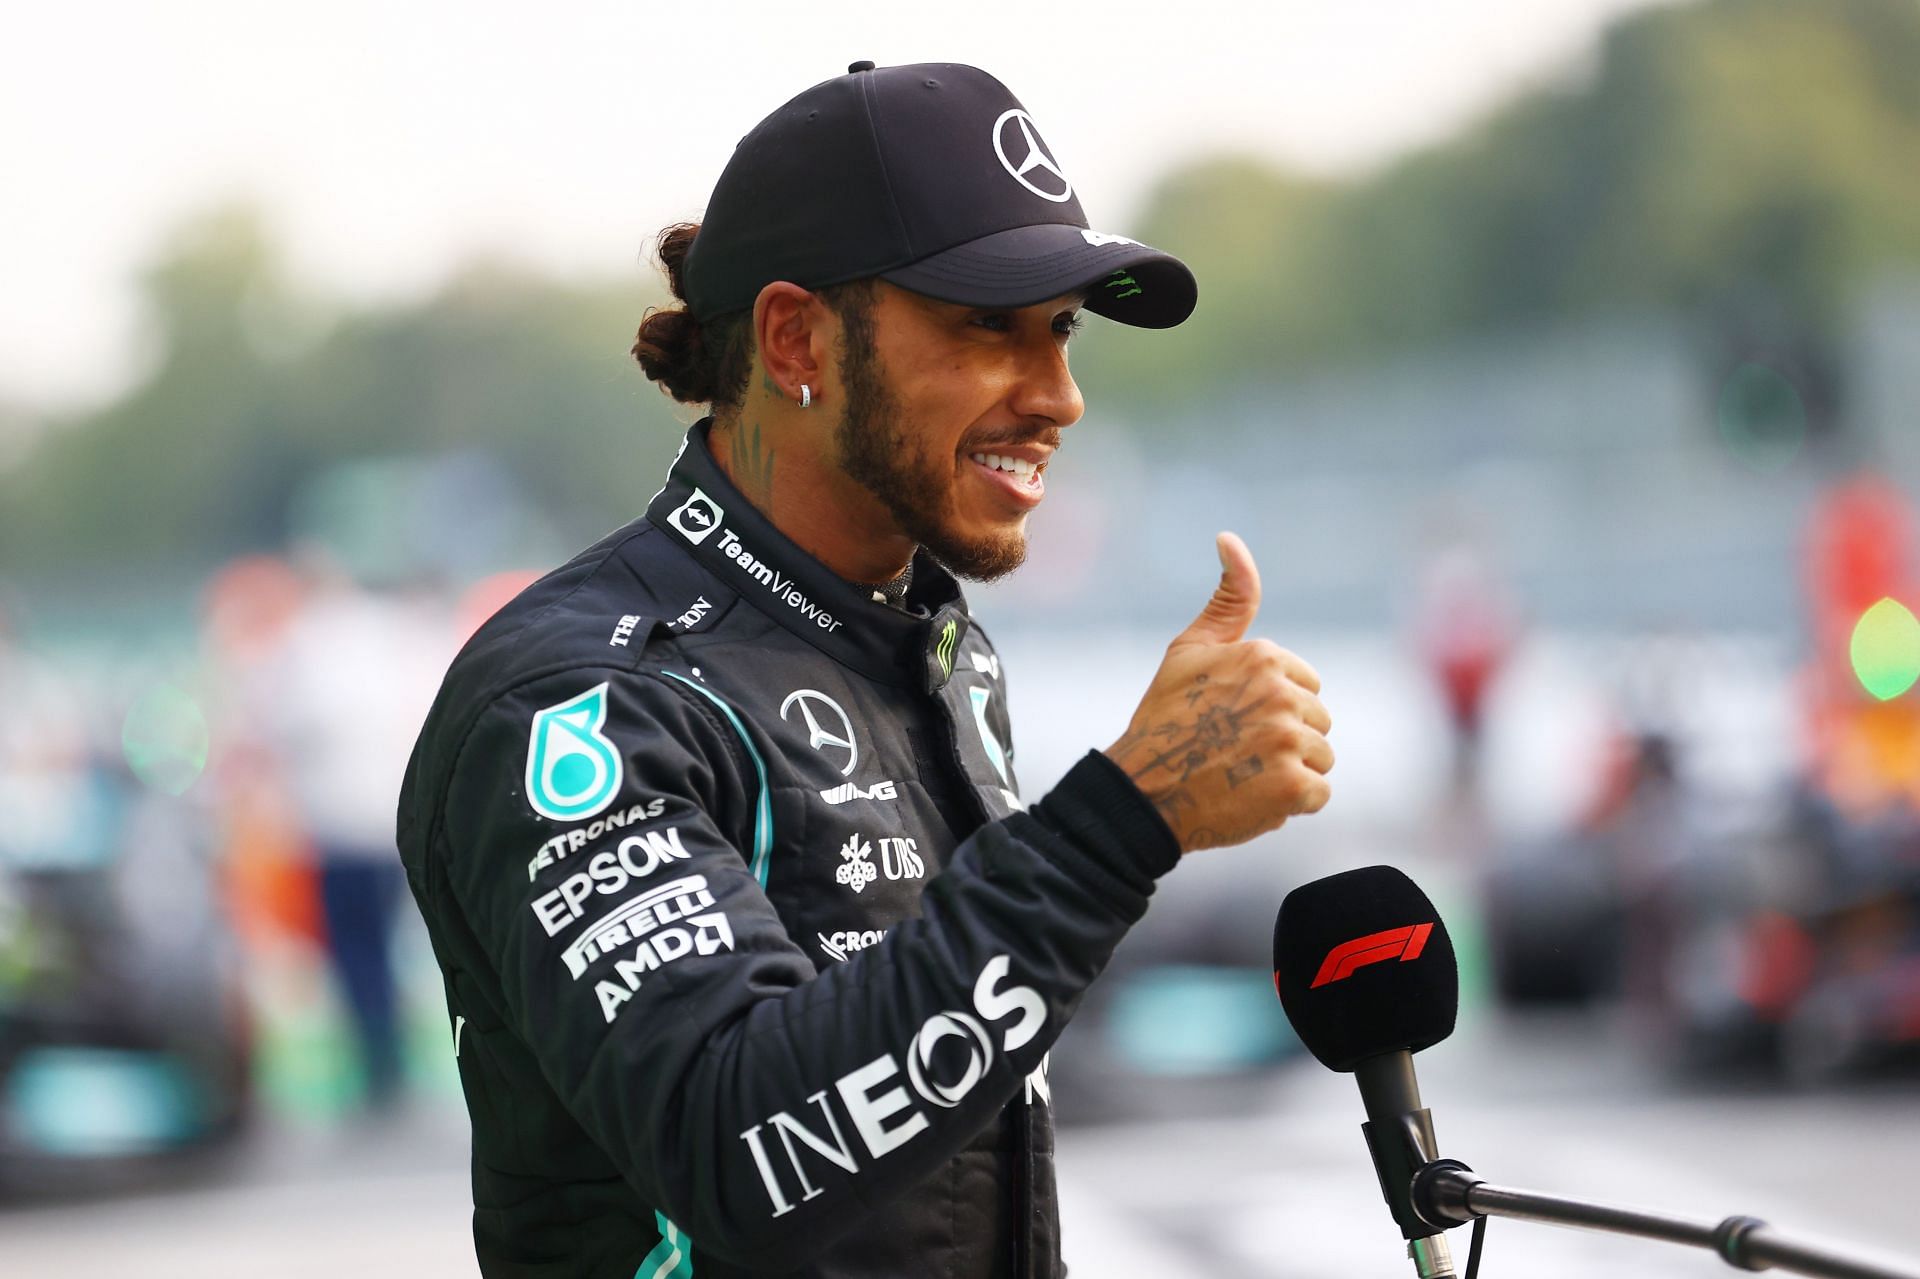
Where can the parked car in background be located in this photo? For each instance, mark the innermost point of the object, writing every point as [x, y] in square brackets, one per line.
[124, 1037]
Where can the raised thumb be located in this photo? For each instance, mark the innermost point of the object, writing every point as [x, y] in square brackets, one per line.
[1236, 599]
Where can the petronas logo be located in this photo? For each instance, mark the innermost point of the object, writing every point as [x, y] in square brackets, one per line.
[944, 651]
[573, 770]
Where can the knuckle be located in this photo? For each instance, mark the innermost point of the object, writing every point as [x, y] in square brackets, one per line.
[1278, 695]
[1289, 735]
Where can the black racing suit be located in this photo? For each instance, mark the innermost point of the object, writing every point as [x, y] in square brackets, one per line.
[753, 952]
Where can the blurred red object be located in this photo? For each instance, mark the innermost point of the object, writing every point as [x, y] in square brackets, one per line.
[1862, 753]
[248, 603]
[1859, 551]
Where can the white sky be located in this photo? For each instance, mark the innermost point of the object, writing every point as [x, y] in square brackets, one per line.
[388, 139]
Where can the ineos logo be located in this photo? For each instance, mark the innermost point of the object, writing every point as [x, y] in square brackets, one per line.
[811, 701]
[1014, 134]
[948, 1025]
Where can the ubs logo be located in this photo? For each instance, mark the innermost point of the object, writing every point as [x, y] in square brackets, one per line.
[899, 859]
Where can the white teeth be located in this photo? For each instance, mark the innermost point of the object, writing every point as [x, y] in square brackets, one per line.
[1012, 465]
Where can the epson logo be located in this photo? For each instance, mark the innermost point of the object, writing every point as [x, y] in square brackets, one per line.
[881, 1112]
[572, 841]
[608, 873]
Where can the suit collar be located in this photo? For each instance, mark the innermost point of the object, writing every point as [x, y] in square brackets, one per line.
[703, 513]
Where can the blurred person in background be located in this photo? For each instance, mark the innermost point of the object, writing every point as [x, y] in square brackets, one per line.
[1466, 626]
[355, 673]
[753, 950]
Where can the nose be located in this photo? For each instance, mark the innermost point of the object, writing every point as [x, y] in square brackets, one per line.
[1045, 390]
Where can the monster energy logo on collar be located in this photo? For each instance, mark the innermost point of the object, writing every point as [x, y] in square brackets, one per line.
[949, 634]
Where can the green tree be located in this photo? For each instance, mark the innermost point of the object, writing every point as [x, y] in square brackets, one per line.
[1721, 153]
[255, 389]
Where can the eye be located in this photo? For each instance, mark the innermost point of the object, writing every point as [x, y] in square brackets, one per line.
[1068, 324]
[993, 321]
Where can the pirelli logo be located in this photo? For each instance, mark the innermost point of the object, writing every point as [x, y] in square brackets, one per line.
[632, 920]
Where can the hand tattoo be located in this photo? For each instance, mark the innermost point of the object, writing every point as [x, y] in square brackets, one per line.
[1215, 728]
[1161, 758]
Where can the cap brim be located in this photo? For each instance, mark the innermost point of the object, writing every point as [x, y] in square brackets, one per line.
[1124, 280]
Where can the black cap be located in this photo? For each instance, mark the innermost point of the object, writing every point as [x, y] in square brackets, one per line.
[932, 176]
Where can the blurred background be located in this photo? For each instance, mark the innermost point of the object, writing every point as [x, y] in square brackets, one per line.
[1559, 360]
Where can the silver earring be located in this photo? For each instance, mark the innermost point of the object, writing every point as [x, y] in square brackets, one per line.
[806, 396]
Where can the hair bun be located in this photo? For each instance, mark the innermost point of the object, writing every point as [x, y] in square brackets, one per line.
[673, 352]
[671, 346]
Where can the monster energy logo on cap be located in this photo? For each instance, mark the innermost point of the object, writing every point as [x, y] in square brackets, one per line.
[944, 650]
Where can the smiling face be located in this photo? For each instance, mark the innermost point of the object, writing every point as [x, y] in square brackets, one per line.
[952, 415]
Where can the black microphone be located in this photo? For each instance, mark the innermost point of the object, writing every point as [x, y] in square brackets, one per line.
[1366, 972]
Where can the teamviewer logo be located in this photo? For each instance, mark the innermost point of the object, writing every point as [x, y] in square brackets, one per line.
[697, 517]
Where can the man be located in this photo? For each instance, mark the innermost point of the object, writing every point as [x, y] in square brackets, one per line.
[753, 950]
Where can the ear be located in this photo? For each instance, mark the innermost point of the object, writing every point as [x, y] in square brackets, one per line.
[791, 330]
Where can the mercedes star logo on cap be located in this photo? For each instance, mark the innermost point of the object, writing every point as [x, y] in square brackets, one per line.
[1013, 134]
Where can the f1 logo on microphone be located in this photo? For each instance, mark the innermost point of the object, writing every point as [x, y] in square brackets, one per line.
[1404, 944]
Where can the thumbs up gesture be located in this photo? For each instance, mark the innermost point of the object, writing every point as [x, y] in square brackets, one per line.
[1230, 739]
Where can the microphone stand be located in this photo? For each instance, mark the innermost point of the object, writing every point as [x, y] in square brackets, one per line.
[1447, 1193]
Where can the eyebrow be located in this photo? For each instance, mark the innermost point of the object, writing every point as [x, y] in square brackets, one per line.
[1076, 301]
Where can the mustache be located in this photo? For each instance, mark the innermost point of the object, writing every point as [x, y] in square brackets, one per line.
[1048, 436]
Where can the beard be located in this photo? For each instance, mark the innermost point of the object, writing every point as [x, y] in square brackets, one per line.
[881, 452]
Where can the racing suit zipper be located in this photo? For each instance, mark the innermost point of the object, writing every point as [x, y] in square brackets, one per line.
[954, 766]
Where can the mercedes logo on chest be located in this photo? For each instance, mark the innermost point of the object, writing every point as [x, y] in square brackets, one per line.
[1022, 154]
[816, 707]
